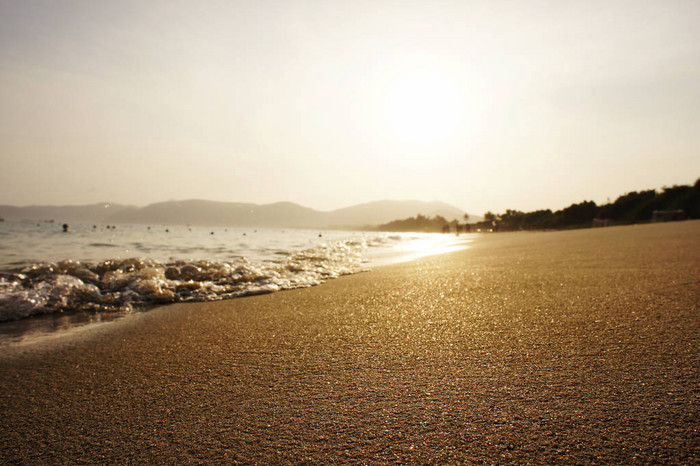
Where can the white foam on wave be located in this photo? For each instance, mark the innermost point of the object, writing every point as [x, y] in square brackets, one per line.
[125, 285]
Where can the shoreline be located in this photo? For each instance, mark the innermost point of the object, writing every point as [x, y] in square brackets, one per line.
[41, 328]
[574, 346]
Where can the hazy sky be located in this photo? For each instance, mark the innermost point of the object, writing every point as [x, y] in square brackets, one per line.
[486, 105]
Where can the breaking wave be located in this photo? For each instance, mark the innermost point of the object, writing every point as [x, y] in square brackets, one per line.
[130, 284]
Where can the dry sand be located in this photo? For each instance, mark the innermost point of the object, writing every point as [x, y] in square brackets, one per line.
[579, 346]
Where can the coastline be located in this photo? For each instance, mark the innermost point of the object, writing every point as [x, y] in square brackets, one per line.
[574, 346]
[64, 324]
[58, 293]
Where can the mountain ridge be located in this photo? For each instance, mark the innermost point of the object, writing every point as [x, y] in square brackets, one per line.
[221, 213]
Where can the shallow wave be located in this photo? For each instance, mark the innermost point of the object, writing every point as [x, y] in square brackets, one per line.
[126, 285]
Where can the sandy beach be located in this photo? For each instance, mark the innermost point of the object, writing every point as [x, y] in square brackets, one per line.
[566, 347]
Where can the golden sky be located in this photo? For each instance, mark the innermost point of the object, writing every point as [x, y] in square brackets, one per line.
[486, 105]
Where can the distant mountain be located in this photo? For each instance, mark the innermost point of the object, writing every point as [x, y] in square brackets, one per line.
[199, 212]
[85, 213]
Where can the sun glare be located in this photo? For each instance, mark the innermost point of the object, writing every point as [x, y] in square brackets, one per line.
[424, 108]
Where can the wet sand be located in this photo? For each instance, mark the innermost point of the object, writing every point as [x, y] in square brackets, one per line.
[567, 347]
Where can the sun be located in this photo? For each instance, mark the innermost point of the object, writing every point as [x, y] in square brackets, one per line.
[426, 111]
[424, 108]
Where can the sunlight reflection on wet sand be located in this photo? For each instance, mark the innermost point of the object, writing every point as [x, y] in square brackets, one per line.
[50, 326]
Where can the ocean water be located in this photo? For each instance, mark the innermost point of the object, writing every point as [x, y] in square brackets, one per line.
[102, 270]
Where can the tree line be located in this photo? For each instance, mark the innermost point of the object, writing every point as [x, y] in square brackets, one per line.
[419, 223]
[670, 203]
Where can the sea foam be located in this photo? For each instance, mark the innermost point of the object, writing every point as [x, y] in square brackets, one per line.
[136, 283]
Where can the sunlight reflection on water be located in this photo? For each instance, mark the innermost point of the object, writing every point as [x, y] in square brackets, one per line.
[429, 245]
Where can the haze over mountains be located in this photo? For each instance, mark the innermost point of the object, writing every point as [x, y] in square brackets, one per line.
[212, 213]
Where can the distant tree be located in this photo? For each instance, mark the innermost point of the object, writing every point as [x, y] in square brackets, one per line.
[489, 216]
[579, 214]
[691, 204]
[539, 220]
[419, 223]
[631, 207]
[511, 220]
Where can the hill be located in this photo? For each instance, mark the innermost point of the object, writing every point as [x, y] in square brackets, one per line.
[199, 212]
[202, 212]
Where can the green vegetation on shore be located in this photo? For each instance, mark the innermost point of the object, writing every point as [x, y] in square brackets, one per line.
[419, 223]
[671, 203]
